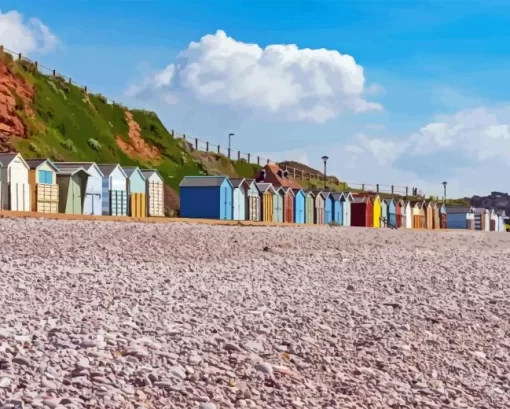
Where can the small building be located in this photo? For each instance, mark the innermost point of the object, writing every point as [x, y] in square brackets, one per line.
[362, 211]
[399, 208]
[206, 197]
[338, 207]
[267, 192]
[493, 220]
[319, 207]
[254, 212]
[502, 218]
[288, 205]
[442, 217]
[115, 194]
[376, 203]
[299, 206]
[278, 204]
[482, 219]
[460, 217]
[346, 207]
[384, 213]
[329, 206]
[391, 211]
[278, 177]
[418, 214]
[42, 178]
[72, 185]
[407, 214]
[239, 198]
[155, 192]
[14, 185]
[428, 210]
[136, 191]
[310, 208]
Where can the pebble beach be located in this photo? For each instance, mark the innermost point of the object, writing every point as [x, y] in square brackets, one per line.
[97, 314]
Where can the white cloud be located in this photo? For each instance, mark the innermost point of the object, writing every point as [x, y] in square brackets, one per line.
[25, 36]
[469, 149]
[296, 84]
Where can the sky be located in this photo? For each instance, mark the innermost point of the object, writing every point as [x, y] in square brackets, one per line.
[406, 93]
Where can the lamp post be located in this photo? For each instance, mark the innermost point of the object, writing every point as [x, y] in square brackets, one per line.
[444, 196]
[325, 159]
[230, 135]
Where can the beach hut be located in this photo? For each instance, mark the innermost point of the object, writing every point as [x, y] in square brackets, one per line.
[267, 192]
[278, 204]
[482, 219]
[399, 208]
[329, 206]
[436, 219]
[407, 214]
[362, 211]
[310, 207]
[206, 197]
[299, 206]
[155, 192]
[428, 210]
[346, 207]
[114, 189]
[42, 178]
[493, 216]
[288, 205]
[440, 217]
[391, 206]
[239, 198]
[319, 207]
[460, 217]
[384, 213]
[253, 205]
[376, 203]
[502, 218]
[418, 214]
[136, 185]
[93, 202]
[72, 185]
[338, 207]
[14, 185]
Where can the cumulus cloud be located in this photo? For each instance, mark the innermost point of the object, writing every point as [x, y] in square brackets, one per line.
[25, 36]
[297, 84]
[470, 150]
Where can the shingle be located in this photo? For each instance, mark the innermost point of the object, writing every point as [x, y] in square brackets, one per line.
[202, 181]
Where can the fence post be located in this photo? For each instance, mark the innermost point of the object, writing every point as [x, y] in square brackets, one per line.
[377, 188]
[70, 82]
[392, 189]
[218, 149]
[238, 155]
[363, 187]
[196, 144]
[1, 48]
[258, 160]
[184, 137]
[207, 146]
[85, 89]
[172, 132]
[36, 65]
[268, 161]
[20, 56]
[248, 158]
[407, 190]
[54, 73]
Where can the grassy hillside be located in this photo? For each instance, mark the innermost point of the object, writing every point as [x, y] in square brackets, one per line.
[63, 122]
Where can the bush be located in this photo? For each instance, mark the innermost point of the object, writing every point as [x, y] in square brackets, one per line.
[69, 145]
[94, 144]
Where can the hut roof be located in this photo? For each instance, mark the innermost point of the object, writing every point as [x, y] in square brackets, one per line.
[202, 181]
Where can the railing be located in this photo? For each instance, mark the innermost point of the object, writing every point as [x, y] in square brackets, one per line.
[310, 176]
[386, 223]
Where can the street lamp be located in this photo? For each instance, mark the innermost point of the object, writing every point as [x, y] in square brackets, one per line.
[325, 159]
[444, 196]
[230, 135]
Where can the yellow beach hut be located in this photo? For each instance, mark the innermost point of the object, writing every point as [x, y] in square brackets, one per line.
[376, 200]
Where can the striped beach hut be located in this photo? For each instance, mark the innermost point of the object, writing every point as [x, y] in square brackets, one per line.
[115, 194]
[267, 192]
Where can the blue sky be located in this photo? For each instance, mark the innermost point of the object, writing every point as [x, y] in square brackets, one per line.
[430, 62]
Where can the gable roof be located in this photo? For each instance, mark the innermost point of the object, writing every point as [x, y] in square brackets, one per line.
[265, 187]
[237, 182]
[361, 199]
[273, 177]
[337, 196]
[203, 181]
[288, 190]
[108, 168]
[348, 196]
[416, 203]
[7, 158]
[84, 165]
[147, 173]
[70, 169]
[480, 210]
[318, 192]
[35, 163]
[296, 191]
[132, 169]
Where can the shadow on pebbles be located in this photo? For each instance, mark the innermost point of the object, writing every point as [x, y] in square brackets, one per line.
[125, 315]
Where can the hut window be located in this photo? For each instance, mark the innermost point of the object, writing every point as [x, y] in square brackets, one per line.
[45, 177]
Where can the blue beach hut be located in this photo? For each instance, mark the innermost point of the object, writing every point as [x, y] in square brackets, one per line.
[299, 206]
[206, 197]
[460, 217]
[329, 201]
[392, 212]
[338, 208]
